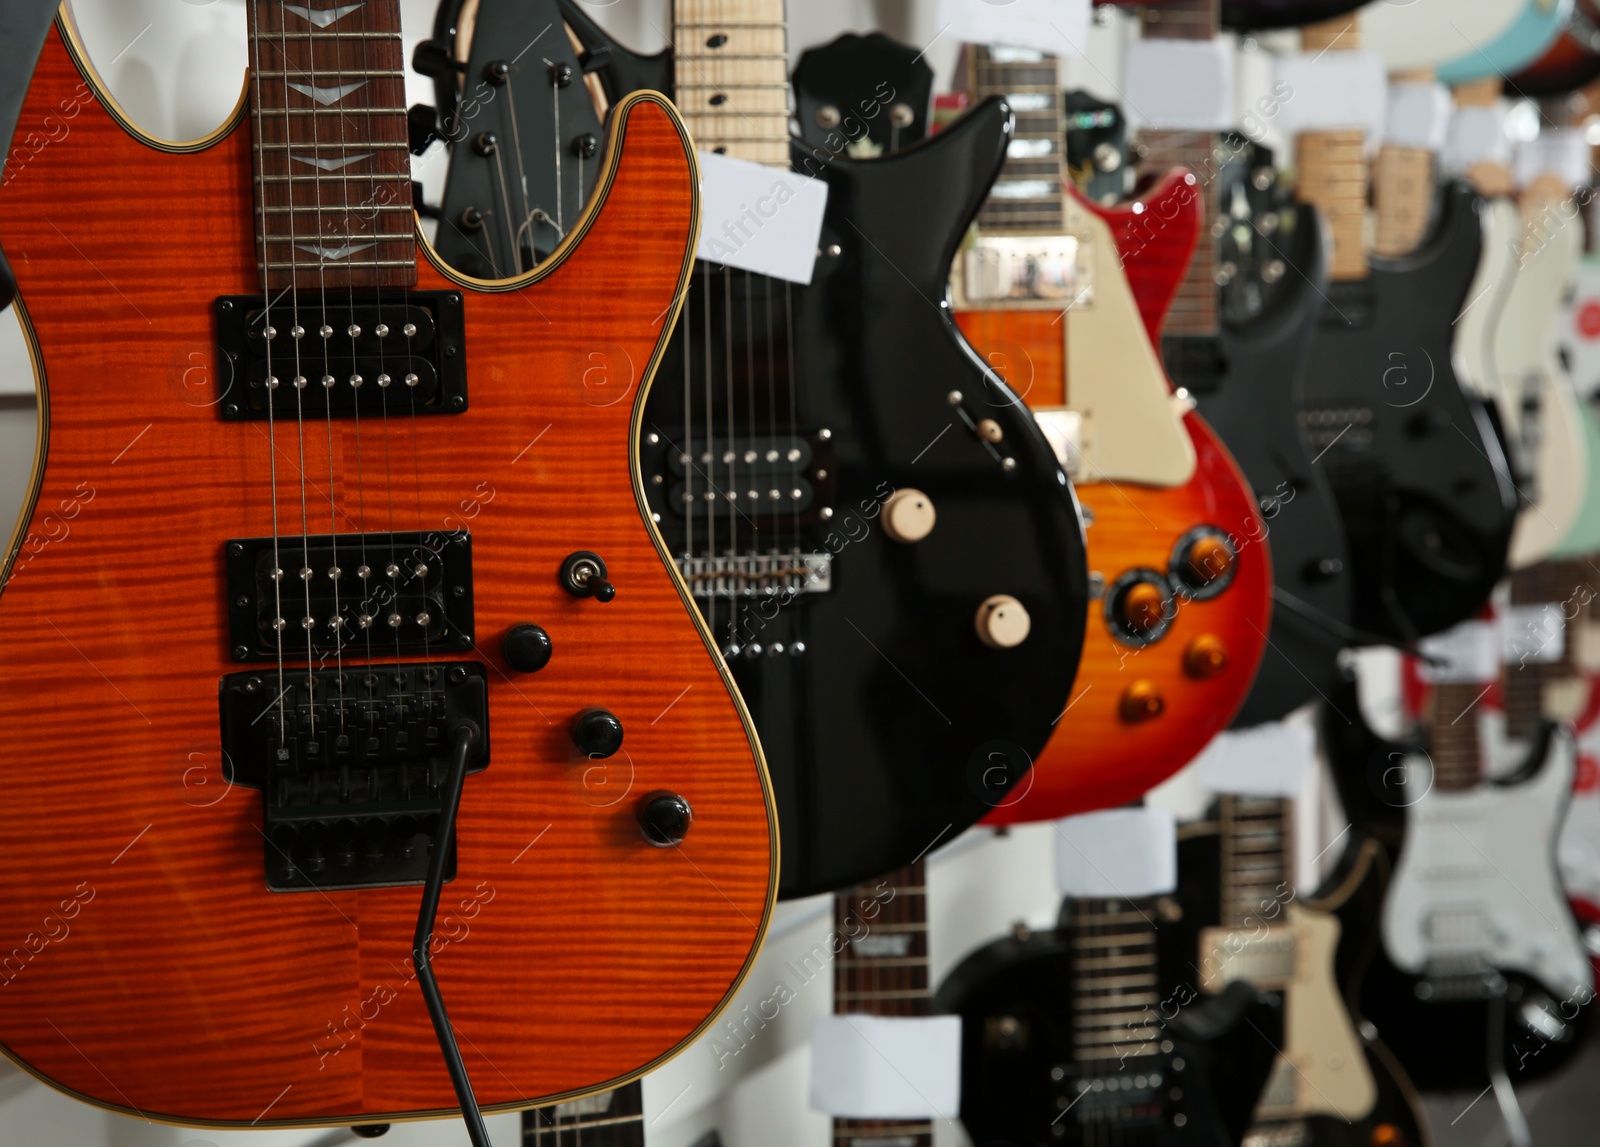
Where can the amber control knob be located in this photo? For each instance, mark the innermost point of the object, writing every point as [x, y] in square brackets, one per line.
[1142, 701]
[1209, 559]
[1002, 622]
[1142, 607]
[908, 516]
[1387, 1135]
[1206, 656]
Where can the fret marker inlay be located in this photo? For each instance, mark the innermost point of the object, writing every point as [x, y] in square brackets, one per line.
[331, 164]
[322, 17]
[328, 96]
[334, 253]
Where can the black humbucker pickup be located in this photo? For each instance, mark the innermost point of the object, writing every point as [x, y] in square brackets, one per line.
[350, 765]
[362, 353]
[313, 598]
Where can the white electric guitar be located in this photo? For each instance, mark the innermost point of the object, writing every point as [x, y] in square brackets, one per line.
[1476, 888]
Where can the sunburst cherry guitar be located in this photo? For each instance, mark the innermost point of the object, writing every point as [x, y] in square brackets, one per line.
[1181, 580]
[314, 514]
[882, 540]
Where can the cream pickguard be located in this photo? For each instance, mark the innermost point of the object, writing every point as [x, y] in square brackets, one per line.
[1323, 1069]
[1476, 884]
[1537, 399]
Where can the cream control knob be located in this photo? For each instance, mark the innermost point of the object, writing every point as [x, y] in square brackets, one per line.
[908, 516]
[1002, 622]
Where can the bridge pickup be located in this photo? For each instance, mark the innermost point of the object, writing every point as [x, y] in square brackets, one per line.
[353, 594]
[349, 765]
[395, 351]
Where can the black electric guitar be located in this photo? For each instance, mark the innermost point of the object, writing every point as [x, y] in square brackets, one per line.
[524, 132]
[1442, 1037]
[1334, 1083]
[1090, 1034]
[1415, 461]
[881, 539]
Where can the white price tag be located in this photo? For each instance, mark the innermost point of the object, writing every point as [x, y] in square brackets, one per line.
[881, 1067]
[1060, 27]
[1268, 760]
[1184, 85]
[1126, 852]
[1476, 135]
[1534, 634]
[1562, 152]
[1468, 653]
[1334, 89]
[1419, 115]
[759, 218]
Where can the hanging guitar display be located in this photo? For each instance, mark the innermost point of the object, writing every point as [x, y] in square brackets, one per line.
[410, 528]
[875, 529]
[1415, 462]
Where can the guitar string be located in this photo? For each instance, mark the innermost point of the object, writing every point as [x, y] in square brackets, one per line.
[299, 381]
[357, 382]
[730, 452]
[270, 382]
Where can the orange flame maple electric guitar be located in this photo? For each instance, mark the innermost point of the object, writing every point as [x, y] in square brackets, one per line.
[317, 517]
[1180, 572]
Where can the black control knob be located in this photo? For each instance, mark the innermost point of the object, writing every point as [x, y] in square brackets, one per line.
[597, 733]
[664, 819]
[583, 574]
[526, 647]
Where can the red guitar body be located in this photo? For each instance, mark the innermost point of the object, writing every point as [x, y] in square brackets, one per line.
[144, 964]
[1141, 712]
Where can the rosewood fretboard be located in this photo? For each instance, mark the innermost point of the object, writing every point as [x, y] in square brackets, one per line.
[1027, 198]
[1257, 858]
[883, 973]
[328, 119]
[1116, 987]
[614, 1119]
[1454, 747]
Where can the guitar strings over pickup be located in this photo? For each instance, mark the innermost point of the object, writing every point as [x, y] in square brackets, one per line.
[362, 352]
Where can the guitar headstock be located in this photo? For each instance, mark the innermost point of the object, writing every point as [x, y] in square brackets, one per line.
[864, 96]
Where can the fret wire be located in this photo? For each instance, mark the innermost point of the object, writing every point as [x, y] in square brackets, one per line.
[370, 73]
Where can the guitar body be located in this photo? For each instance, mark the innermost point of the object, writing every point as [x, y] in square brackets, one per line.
[1440, 1042]
[1539, 24]
[1250, 15]
[1415, 461]
[1256, 410]
[1410, 36]
[137, 887]
[1021, 1058]
[1337, 1084]
[1571, 61]
[1107, 749]
[1539, 406]
[1469, 884]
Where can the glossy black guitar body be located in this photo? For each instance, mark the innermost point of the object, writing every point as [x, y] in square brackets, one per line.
[1353, 894]
[1193, 1083]
[517, 78]
[1442, 1044]
[799, 411]
[1250, 15]
[1253, 402]
[1415, 462]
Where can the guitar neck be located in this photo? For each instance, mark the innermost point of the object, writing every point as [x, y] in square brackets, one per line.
[1194, 309]
[1257, 856]
[731, 65]
[332, 158]
[1116, 988]
[612, 1119]
[1561, 585]
[1454, 748]
[1333, 164]
[883, 973]
[1027, 198]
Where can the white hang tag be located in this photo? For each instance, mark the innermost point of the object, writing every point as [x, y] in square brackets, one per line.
[1562, 152]
[1332, 89]
[1060, 27]
[1182, 85]
[886, 1067]
[758, 218]
[1534, 634]
[1468, 653]
[1419, 115]
[1268, 760]
[1123, 852]
[1476, 135]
